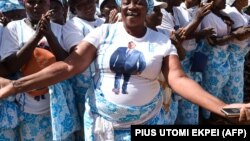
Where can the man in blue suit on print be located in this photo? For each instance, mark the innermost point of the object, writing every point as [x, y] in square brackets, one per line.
[126, 61]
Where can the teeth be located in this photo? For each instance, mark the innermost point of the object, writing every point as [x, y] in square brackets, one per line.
[129, 13]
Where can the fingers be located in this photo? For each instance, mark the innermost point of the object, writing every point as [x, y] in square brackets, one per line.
[113, 16]
[209, 31]
[244, 114]
[44, 23]
[49, 14]
[247, 112]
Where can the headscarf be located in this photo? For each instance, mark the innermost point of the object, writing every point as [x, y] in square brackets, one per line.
[230, 2]
[100, 3]
[150, 5]
[9, 5]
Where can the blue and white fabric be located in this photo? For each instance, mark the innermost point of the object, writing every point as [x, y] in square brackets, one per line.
[9, 5]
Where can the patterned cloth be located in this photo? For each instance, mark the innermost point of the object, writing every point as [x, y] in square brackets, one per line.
[186, 112]
[64, 114]
[9, 114]
[9, 5]
[35, 127]
[80, 85]
[9, 134]
[117, 118]
[233, 92]
[217, 74]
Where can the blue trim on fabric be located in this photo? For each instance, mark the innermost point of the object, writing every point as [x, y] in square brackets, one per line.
[105, 41]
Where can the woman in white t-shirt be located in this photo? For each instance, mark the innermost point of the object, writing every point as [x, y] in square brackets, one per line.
[74, 31]
[187, 112]
[216, 77]
[109, 114]
[238, 50]
[8, 120]
[183, 16]
[21, 37]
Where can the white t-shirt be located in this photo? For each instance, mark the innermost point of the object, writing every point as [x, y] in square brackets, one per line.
[239, 21]
[15, 35]
[219, 27]
[169, 22]
[1, 33]
[76, 29]
[73, 33]
[144, 63]
[247, 17]
[185, 16]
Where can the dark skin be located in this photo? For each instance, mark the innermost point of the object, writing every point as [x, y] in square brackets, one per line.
[39, 21]
[216, 9]
[58, 16]
[84, 9]
[85, 53]
[239, 4]
[240, 33]
[8, 16]
[12, 15]
[155, 19]
[3, 19]
[202, 33]
[178, 36]
[106, 10]
[191, 27]
[171, 4]
[132, 23]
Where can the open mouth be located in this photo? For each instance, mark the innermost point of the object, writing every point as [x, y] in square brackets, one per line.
[132, 14]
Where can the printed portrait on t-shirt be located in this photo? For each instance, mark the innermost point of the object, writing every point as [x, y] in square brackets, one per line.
[126, 61]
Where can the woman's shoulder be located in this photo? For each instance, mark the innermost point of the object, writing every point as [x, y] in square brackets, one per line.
[159, 35]
[15, 25]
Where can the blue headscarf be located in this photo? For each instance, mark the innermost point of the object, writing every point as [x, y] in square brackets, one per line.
[9, 5]
[150, 5]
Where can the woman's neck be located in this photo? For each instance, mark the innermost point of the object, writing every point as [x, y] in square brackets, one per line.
[169, 9]
[216, 12]
[137, 32]
[188, 5]
[151, 26]
[31, 23]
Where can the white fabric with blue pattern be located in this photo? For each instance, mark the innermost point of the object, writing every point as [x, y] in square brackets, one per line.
[9, 5]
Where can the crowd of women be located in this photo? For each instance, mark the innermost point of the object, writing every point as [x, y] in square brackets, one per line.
[88, 70]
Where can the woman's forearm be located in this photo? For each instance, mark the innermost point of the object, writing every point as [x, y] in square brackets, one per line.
[197, 95]
[56, 48]
[222, 40]
[22, 56]
[48, 76]
[188, 88]
[76, 63]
